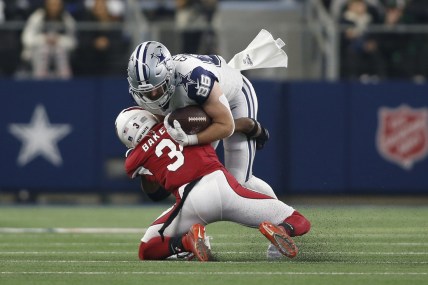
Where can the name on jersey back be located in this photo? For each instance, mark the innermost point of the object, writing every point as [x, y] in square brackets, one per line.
[154, 137]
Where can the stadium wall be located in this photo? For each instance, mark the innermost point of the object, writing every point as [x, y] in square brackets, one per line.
[326, 138]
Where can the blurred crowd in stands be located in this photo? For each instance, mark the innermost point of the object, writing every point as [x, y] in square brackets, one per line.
[50, 46]
[395, 50]
[58, 41]
[379, 39]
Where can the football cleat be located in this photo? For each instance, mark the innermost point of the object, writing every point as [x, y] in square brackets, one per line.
[195, 243]
[279, 238]
[189, 255]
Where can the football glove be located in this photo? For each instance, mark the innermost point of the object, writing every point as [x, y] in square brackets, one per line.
[259, 134]
[177, 133]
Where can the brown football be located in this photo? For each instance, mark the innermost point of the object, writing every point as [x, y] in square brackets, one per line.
[192, 119]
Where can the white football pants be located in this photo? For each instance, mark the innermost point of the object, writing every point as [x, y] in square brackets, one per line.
[239, 152]
[212, 200]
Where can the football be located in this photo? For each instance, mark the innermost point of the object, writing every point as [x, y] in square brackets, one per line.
[192, 119]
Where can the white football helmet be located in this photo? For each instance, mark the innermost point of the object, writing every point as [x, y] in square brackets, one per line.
[132, 124]
[151, 75]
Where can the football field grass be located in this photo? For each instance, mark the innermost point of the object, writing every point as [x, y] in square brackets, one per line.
[98, 245]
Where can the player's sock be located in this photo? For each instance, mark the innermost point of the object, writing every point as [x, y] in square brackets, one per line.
[177, 244]
[288, 228]
[184, 244]
[296, 224]
[155, 249]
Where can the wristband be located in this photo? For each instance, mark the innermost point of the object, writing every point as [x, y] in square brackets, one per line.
[193, 139]
[254, 130]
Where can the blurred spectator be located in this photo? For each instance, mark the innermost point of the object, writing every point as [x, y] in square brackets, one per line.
[11, 10]
[360, 54]
[115, 8]
[103, 47]
[374, 8]
[416, 13]
[48, 39]
[194, 20]
[161, 11]
[395, 47]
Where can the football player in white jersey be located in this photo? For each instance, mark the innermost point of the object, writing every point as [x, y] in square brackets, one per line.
[161, 83]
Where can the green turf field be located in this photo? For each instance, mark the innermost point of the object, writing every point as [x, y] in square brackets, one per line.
[347, 245]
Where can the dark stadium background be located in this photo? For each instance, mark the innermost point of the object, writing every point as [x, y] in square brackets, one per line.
[326, 127]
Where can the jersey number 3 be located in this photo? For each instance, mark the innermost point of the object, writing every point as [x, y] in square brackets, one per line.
[174, 152]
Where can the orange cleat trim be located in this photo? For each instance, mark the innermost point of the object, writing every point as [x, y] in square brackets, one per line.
[279, 238]
[194, 241]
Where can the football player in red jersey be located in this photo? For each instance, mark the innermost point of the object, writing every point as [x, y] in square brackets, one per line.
[205, 192]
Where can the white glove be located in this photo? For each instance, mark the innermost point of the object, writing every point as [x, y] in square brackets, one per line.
[178, 134]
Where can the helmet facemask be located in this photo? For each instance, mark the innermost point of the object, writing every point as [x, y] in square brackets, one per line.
[143, 95]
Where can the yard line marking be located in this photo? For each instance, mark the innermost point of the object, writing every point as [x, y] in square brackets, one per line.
[357, 233]
[365, 243]
[370, 252]
[220, 244]
[222, 252]
[9, 244]
[67, 252]
[228, 262]
[372, 235]
[392, 234]
[338, 252]
[73, 230]
[71, 261]
[92, 230]
[207, 273]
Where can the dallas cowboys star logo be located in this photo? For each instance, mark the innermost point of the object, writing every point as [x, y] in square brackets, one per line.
[39, 138]
[185, 80]
[161, 57]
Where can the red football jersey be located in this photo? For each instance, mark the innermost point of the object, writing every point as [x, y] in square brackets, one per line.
[171, 164]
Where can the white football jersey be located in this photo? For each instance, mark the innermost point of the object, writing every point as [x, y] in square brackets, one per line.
[194, 79]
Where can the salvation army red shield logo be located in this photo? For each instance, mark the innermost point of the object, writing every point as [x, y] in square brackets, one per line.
[402, 135]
